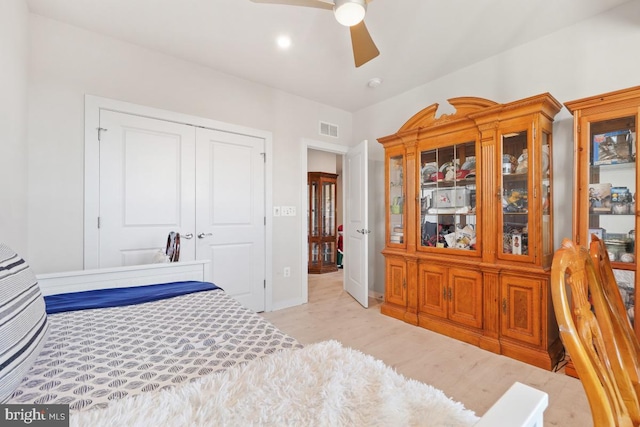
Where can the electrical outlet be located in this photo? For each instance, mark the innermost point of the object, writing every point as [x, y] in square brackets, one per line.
[288, 211]
[276, 211]
[287, 272]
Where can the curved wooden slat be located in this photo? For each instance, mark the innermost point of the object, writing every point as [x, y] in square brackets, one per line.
[587, 323]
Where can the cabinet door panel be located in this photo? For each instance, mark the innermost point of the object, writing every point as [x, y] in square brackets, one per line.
[322, 234]
[518, 157]
[396, 292]
[396, 165]
[432, 288]
[521, 309]
[465, 297]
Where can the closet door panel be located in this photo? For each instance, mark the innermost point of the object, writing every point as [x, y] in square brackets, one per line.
[146, 187]
[230, 212]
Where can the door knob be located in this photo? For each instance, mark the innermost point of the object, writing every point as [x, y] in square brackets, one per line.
[188, 236]
[203, 235]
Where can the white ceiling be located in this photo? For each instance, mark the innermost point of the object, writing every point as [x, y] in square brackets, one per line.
[419, 40]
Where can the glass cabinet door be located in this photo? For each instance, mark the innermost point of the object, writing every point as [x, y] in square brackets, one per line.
[546, 198]
[396, 199]
[612, 189]
[448, 197]
[328, 208]
[322, 233]
[314, 257]
[515, 165]
[313, 210]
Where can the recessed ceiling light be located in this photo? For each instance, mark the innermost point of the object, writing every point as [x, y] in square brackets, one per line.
[374, 82]
[284, 42]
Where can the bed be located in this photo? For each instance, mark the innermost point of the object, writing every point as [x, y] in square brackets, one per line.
[200, 358]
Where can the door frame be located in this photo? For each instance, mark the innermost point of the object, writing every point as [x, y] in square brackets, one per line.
[304, 147]
[93, 105]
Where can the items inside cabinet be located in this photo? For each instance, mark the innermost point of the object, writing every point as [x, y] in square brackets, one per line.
[448, 197]
[612, 211]
[515, 193]
[396, 199]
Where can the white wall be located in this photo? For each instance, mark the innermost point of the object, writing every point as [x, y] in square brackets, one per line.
[14, 48]
[67, 62]
[321, 161]
[592, 57]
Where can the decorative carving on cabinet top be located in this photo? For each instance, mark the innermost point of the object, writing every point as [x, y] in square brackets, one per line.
[463, 105]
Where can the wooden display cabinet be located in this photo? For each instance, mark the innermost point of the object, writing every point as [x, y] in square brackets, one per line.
[606, 177]
[396, 281]
[322, 233]
[474, 231]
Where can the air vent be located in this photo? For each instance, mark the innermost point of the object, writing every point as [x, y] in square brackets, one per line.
[327, 129]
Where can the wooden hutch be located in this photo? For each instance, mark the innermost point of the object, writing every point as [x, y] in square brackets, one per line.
[469, 227]
[606, 177]
[323, 234]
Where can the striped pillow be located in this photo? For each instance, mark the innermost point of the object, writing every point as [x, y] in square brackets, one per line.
[23, 321]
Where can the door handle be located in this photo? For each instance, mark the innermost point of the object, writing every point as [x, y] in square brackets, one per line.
[364, 231]
[203, 235]
[188, 236]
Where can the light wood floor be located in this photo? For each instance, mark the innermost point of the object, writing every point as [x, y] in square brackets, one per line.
[473, 376]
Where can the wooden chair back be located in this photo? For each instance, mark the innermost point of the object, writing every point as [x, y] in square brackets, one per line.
[590, 328]
[600, 258]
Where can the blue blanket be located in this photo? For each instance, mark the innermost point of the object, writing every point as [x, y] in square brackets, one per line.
[118, 297]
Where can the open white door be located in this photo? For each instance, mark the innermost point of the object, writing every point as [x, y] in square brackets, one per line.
[356, 232]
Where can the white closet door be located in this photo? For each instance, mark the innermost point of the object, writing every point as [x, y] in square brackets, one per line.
[147, 183]
[356, 243]
[230, 212]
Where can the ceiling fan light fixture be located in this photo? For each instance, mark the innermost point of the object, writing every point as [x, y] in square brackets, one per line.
[349, 12]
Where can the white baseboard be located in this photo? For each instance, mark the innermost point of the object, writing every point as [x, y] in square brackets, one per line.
[288, 303]
[376, 295]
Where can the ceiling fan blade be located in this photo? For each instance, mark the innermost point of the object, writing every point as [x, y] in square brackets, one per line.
[364, 49]
[320, 4]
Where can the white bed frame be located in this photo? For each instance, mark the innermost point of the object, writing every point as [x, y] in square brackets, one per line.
[520, 406]
[123, 277]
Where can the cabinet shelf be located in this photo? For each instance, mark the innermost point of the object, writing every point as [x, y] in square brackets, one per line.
[614, 166]
[449, 211]
[629, 266]
[515, 176]
[442, 212]
[449, 184]
[600, 214]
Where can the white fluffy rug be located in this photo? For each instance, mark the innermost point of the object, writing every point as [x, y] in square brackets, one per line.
[323, 384]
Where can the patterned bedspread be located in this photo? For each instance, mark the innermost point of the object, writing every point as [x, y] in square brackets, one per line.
[95, 356]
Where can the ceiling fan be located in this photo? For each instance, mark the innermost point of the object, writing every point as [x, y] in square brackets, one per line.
[349, 13]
